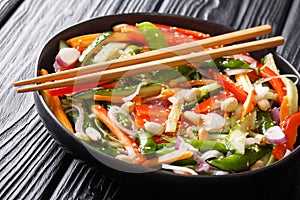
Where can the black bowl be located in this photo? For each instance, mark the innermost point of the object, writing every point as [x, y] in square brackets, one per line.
[271, 181]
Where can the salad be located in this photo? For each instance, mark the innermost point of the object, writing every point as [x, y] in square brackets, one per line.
[228, 115]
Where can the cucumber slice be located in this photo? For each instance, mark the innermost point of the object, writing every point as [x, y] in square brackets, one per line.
[109, 52]
[92, 48]
[237, 135]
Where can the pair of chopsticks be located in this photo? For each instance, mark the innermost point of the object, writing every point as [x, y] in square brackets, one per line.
[188, 53]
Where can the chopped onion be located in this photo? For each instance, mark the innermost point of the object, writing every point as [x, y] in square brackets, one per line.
[136, 92]
[219, 172]
[248, 59]
[153, 98]
[211, 154]
[287, 152]
[213, 121]
[279, 76]
[181, 144]
[261, 91]
[66, 58]
[178, 96]
[93, 134]
[203, 167]
[179, 169]
[198, 158]
[252, 140]
[275, 114]
[230, 72]
[275, 135]
[79, 121]
[113, 110]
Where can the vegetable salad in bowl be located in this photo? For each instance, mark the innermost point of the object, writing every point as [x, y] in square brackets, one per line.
[228, 115]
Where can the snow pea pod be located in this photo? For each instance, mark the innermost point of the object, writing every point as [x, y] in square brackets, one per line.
[146, 143]
[264, 121]
[224, 63]
[238, 162]
[153, 35]
[205, 145]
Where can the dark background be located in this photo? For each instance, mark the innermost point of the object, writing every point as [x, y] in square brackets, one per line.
[32, 165]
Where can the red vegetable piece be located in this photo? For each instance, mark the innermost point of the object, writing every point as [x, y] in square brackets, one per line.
[229, 85]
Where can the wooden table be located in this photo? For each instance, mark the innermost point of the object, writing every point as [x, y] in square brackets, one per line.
[32, 165]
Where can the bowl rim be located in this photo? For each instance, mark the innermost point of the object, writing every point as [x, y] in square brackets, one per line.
[39, 100]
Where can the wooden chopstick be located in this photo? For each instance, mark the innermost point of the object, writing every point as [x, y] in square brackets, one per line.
[195, 59]
[182, 49]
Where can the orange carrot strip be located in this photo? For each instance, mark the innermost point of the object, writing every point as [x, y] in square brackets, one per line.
[128, 143]
[284, 110]
[115, 99]
[55, 105]
[168, 158]
[249, 104]
[82, 41]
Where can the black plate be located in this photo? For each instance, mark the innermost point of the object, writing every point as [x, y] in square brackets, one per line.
[266, 182]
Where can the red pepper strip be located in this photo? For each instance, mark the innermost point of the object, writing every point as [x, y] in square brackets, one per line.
[74, 88]
[148, 113]
[151, 111]
[174, 39]
[276, 83]
[158, 140]
[128, 143]
[279, 151]
[140, 121]
[109, 86]
[194, 34]
[253, 76]
[290, 129]
[137, 36]
[211, 103]
[229, 85]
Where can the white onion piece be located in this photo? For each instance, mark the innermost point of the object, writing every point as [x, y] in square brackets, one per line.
[93, 134]
[275, 135]
[248, 59]
[252, 140]
[152, 98]
[179, 170]
[219, 172]
[178, 96]
[230, 72]
[181, 144]
[211, 154]
[213, 121]
[136, 92]
[261, 91]
[287, 152]
[79, 121]
[66, 58]
[203, 167]
[113, 110]
[275, 114]
[154, 128]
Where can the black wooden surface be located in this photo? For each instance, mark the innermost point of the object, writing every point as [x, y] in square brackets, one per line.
[32, 165]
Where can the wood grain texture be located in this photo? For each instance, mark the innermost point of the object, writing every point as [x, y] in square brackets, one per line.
[291, 31]
[32, 165]
[237, 14]
[7, 8]
[84, 182]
